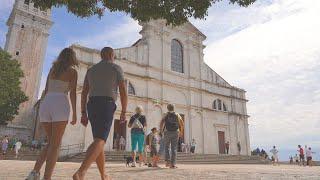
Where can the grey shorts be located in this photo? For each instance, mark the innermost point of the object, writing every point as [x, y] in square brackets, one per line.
[154, 151]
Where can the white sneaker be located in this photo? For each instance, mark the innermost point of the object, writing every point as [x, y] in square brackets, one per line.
[133, 164]
[33, 176]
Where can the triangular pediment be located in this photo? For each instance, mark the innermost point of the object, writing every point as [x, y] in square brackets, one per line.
[189, 26]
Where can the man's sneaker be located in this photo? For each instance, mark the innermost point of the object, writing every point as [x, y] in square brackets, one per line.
[33, 176]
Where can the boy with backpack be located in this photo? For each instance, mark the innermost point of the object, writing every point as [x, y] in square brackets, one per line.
[172, 126]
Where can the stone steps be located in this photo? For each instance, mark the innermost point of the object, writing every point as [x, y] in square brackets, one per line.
[23, 155]
[185, 158]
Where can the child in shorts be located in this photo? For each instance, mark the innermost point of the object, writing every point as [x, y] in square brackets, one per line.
[154, 141]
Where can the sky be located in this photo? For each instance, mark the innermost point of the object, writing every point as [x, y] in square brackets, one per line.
[271, 49]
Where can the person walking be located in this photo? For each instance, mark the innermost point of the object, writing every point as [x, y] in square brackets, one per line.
[239, 147]
[193, 146]
[153, 142]
[101, 84]
[301, 155]
[275, 157]
[4, 145]
[17, 147]
[227, 145]
[122, 143]
[138, 125]
[172, 127]
[309, 156]
[54, 109]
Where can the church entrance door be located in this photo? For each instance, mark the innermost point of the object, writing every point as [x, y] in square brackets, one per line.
[221, 142]
[120, 129]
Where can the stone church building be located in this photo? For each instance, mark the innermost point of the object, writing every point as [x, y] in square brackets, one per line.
[166, 66]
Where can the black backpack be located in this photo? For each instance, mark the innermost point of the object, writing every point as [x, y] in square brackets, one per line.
[171, 122]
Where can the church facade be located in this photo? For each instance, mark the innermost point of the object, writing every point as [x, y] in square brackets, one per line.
[166, 66]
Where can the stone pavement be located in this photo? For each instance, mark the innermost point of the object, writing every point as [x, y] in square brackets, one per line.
[64, 170]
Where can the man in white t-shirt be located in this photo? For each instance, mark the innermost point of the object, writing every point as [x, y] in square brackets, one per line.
[275, 157]
[17, 147]
[309, 156]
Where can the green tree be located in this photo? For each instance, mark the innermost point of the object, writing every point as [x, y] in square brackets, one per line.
[174, 11]
[11, 95]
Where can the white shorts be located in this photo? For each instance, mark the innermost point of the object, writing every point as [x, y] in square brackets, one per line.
[55, 107]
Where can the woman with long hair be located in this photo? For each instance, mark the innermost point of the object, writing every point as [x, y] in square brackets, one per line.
[54, 109]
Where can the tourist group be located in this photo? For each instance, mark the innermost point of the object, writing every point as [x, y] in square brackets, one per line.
[99, 93]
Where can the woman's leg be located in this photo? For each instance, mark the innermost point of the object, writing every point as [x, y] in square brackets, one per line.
[43, 155]
[133, 146]
[141, 147]
[53, 148]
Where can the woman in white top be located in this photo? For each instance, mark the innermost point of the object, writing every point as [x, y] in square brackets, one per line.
[54, 109]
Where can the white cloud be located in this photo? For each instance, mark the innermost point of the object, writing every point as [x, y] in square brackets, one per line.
[116, 35]
[276, 58]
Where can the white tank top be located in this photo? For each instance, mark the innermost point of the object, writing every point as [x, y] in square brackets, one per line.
[58, 86]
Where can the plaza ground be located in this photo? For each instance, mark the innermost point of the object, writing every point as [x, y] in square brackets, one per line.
[10, 169]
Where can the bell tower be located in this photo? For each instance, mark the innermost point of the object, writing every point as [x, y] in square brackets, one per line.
[26, 41]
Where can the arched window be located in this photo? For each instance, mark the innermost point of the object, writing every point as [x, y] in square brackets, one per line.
[131, 90]
[214, 104]
[224, 107]
[176, 56]
[219, 105]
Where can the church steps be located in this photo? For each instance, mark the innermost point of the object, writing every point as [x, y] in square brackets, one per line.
[185, 158]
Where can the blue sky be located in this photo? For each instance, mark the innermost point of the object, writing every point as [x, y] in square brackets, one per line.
[271, 49]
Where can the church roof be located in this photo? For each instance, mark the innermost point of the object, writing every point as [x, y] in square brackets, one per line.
[193, 27]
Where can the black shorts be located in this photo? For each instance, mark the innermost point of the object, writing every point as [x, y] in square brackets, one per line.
[301, 157]
[100, 113]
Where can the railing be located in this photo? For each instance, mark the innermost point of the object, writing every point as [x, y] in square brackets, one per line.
[69, 150]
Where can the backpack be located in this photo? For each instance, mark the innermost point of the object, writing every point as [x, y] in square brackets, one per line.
[171, 122]
[136, 123]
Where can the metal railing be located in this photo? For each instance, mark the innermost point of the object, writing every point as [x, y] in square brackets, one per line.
[70, 150]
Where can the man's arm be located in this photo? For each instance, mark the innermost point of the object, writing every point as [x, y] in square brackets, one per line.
[162, 124]
[123, 99]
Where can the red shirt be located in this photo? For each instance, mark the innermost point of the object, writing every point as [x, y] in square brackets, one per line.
[301, 151]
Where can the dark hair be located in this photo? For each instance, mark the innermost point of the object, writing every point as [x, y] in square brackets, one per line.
[154, 129]
[105, 50]
[66, 59]
[170, 107]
